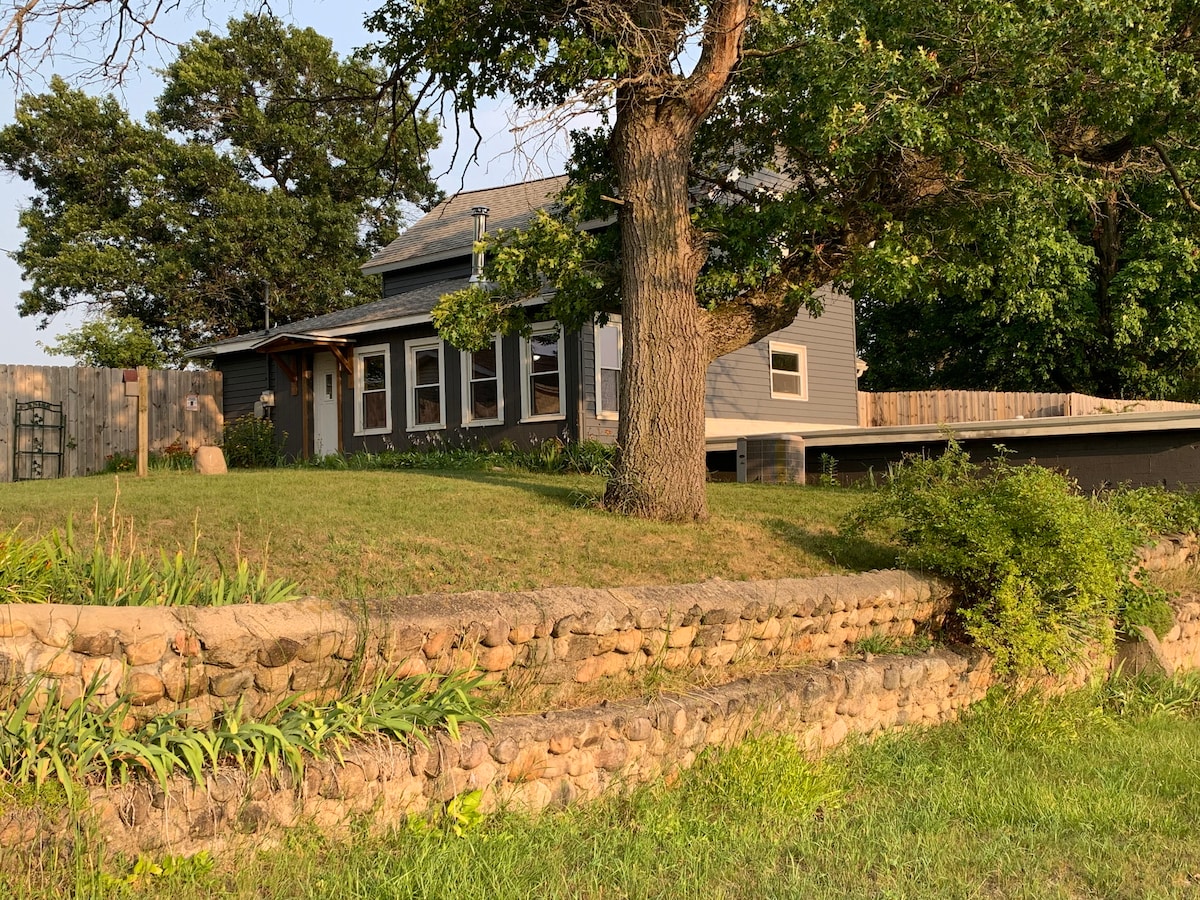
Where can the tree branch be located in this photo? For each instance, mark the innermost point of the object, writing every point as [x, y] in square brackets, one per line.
[1175, 176]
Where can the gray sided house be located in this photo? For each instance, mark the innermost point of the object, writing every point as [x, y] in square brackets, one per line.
[377, 375]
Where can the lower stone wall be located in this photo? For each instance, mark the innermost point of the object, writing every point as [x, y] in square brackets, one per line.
[200, 661]
[1180, 647]
[535, 761]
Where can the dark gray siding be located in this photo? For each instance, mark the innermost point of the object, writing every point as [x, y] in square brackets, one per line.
[401, 280]
[738, 385]
[1168, 459]
[455, 433]
[245, 378]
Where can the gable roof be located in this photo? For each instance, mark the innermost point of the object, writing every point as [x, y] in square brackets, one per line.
[446, 230]
[409, 308]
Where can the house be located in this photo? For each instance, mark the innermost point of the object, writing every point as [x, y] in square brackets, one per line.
[377, 375]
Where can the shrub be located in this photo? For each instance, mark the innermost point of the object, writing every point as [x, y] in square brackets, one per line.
[1145, 606]
[552, 456]
[1155, 510]
[1041, 569]
[251, 443]
[116, 463]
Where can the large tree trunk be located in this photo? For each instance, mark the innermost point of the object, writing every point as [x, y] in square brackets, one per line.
[660, 469]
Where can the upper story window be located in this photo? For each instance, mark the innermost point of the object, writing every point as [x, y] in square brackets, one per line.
[424, 365]
[372, 389]
[482, 380]
[789, 371]
[608, 368]
[541, 381]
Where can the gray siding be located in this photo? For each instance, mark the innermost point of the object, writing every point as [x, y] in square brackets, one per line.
[245, 378]
[454, 433]
[738, 385]
[401, 280]
[1169, 459]
[592, 428]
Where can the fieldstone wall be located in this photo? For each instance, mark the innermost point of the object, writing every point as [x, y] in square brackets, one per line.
[202, 660]
[1180, 647]
[1170, 551]
[528, 762]
[531, 762]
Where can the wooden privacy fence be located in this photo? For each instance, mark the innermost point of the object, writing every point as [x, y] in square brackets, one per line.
[877, 410]
[100, 412]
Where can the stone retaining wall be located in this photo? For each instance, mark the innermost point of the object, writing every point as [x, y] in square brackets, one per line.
[527, 762]
[534, 761]
[201, 660]
[1180, 647]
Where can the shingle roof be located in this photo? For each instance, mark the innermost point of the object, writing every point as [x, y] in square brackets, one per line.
[416, 302]
[446, 230]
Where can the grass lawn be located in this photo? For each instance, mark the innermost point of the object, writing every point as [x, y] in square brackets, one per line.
[1024, 798]
[375, 534]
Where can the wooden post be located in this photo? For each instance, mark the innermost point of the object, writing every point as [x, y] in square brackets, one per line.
[143, 422]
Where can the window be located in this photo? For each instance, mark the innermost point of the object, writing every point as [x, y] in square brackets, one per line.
[372, 381]
[426, 384]
[541, 382]
[483, 396]
[608, 368]
[789, 371]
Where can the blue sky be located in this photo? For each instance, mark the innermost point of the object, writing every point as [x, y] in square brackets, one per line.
[500, 160]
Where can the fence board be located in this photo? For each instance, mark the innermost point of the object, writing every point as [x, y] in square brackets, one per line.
[884, 408]
[102, 421]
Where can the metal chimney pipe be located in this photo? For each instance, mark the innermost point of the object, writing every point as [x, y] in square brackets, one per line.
[480, 214]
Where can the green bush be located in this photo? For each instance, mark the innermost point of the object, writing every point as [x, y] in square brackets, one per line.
[1155, 510]
[1145, 606]
[1042, 570]
[251, 443]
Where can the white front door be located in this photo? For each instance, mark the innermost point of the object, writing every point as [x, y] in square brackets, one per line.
[325, 405]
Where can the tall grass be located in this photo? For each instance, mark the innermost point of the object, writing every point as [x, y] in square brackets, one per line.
[82, 742]
[1091, 795]
[114, 571]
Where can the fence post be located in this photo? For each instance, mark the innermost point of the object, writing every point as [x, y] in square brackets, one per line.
[143, 422]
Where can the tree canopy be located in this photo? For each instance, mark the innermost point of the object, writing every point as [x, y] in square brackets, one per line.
[269, 168]
[109, 343]
[1001, 182]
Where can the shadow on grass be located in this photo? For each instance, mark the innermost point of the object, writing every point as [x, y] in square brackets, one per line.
[572, 495]
[852, 552]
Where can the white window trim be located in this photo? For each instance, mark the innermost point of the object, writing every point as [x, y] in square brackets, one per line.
[527, 374]
[467, 419]
[802, 354]
[604, 415]
[360, 381]
[410, 382]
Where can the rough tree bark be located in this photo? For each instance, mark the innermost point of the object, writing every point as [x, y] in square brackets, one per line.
[660, 470]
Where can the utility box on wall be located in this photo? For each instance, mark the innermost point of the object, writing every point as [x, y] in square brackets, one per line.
[771, 458]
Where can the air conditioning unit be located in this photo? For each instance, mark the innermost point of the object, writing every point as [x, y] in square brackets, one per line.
[771, 459]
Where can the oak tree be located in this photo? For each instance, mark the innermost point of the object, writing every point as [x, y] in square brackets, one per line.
[267, 173]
